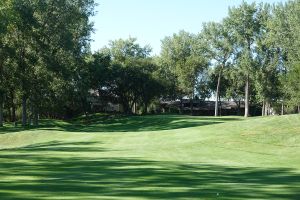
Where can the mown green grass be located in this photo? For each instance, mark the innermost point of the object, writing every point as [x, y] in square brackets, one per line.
[153, 157]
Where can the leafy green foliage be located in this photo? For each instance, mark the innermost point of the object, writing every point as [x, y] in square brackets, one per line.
[183, 55]
[47, 68]
[124, 73]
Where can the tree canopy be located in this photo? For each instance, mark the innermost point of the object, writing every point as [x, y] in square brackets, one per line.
[47, 68]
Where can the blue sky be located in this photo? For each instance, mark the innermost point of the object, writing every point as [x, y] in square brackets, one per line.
[151, 20]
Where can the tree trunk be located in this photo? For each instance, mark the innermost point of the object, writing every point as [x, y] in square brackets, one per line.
[31, 114]
[266, 108]
[181, 106]
[263, 108]
[132, 107]
[282, 108]
[247, 97]
[127, 107]
[35, 116]
[1, 95]
[83, 104]
[9, 114]
[298, 109]
[13, 112]
[146, 108]
[24, 111]
[1, 111]
[192, 104]
[217, 95]
[12, 106]
[220, 106]
[239, 108]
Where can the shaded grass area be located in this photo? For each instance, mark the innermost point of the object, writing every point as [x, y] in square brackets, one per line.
[38, 172]
[118, 123]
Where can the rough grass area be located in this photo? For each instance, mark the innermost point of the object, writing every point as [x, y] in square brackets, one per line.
[152, 157]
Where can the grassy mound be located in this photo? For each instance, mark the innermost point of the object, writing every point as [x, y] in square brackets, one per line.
[152, 157]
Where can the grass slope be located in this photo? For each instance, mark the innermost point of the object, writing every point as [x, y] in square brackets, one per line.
[153, 157]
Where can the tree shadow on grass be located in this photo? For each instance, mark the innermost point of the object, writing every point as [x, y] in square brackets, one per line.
[139, 124]
[63, 147]
[28, 173]
[127, 124]
[44, 124]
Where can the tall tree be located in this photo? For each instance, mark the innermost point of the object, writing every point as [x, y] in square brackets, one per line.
[3, 31]
[184, 55]
[220, 46]
[267, 77]
[235, 86]
[129, 73]
[22, 38]
[286, 32]
[244, 25]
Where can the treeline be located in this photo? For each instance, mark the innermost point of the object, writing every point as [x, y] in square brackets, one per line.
[252, 55]
[43, 45]
[48, 70]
